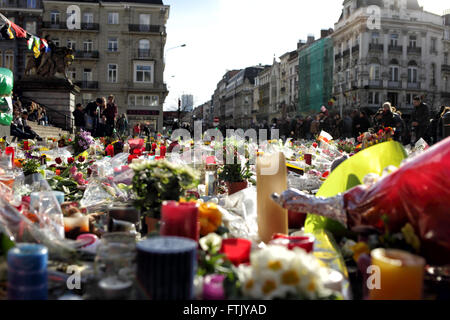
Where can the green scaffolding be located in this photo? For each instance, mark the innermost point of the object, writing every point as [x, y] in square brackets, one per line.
[315, 76]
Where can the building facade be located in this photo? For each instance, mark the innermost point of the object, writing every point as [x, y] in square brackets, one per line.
[119, 50]
[27, 14]
[394, 61]
[218, 99]
[315, 73]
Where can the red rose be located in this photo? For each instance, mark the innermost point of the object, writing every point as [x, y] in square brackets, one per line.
[70, 160]
[58, 160]
[89, 171]
[131, 157]
[315, 145]
[81, 159]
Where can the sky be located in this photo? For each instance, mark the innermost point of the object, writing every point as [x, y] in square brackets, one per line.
[222, 35]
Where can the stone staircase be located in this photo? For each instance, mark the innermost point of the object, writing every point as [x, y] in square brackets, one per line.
[47, 132]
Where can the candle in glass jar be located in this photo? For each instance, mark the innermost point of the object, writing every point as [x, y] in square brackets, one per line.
[401, 275]
[162, 151]
[180, 219]
[10, 151]
[271, 177]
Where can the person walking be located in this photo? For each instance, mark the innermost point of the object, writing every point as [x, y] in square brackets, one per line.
[420, 120]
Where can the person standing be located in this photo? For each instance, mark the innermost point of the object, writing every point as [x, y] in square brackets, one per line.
[111, 115]
[122, 125]
[347, 126]
[78, 114]
[137, 130]
[315, 127]
[92, 112]
[362, 123]
[420, 120]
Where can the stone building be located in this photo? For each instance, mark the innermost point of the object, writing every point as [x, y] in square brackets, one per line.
[401, 57]
[218, 99]
[28, 15]
[288, 95]
[262, 96]
[119, 50]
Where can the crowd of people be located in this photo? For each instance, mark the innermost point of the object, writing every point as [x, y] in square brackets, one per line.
[408, 129]
[100, 118]
[22, 114]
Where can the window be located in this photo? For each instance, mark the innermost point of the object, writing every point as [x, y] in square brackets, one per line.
[87, 97]
[144, 48]
[412, 74]
[394, 40]
[413, 41]
[144, 22]
[9, 61]
[113, 18]
[143, 72]
[72, 73]
[393, 70]
[374, 98]
[112, 44]
[375, 37]
[356, 74]
[433, 45]
[374, 73]
[446, 58]
[347, 76]
[31, 4]
[88, 46]
[87, 75]
[54, 17]
[56, 42]
[433, 74]
[71, 44]
[143, 100]
[88, 18]
[31, 27]
[112, 73]
[409, 99]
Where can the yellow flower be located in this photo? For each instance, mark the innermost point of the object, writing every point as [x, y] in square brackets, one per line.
[269, 286]
[274, 265]
[358, 249]
[210, 218]
[290, 278]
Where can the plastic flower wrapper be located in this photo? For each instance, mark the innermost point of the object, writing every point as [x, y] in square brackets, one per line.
[307, 182]
[276, 272]
[98, 192]
[25, 185]
[239, 214]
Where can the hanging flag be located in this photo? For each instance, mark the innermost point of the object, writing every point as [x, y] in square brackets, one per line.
[30, 43]
[325, 137]
[20, 33]
[6, 32]
[44, 44]
[36, 47]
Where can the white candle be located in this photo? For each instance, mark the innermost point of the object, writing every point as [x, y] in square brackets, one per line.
[271, 177]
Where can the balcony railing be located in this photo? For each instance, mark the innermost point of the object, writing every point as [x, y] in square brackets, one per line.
[376, 47]
[414, 50]
[87, 84]
[395, 84]
[355, 48]
[397, 49]
[445, 68]
[87, 54]
[413, 85]
[337, 56]
[144, 28]
[143, 53]
[375, 83]
[354, 84]
[63, 26]
[346, 53]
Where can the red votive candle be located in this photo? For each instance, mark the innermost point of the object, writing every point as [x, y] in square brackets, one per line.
[162, 151]
[180, 219]
[26, 146]
[237, 250]
[10, 151]
[308, 159]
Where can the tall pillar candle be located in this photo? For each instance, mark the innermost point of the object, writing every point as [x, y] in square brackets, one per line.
[271, 177]
[27, 272]
[166, 267]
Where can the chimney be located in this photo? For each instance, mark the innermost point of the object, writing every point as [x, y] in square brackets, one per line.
[323, 33]
[300, 44]
[311, 39]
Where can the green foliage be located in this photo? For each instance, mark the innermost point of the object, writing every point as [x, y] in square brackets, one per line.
[30, 166]
[235, 172]
[158, 181]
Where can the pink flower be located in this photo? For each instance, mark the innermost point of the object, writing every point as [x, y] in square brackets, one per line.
[78, 176]
[73, 170]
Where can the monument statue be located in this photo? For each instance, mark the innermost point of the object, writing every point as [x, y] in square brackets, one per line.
[48, 64]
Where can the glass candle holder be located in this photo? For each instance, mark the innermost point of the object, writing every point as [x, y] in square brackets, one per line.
[401, 275]
[180, 219]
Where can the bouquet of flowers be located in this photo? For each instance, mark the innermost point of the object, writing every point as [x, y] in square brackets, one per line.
[369, 139]
[82, 141]
[346, 146]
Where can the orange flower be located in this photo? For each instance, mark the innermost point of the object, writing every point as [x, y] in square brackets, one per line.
[18, 163]
[210, 218]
